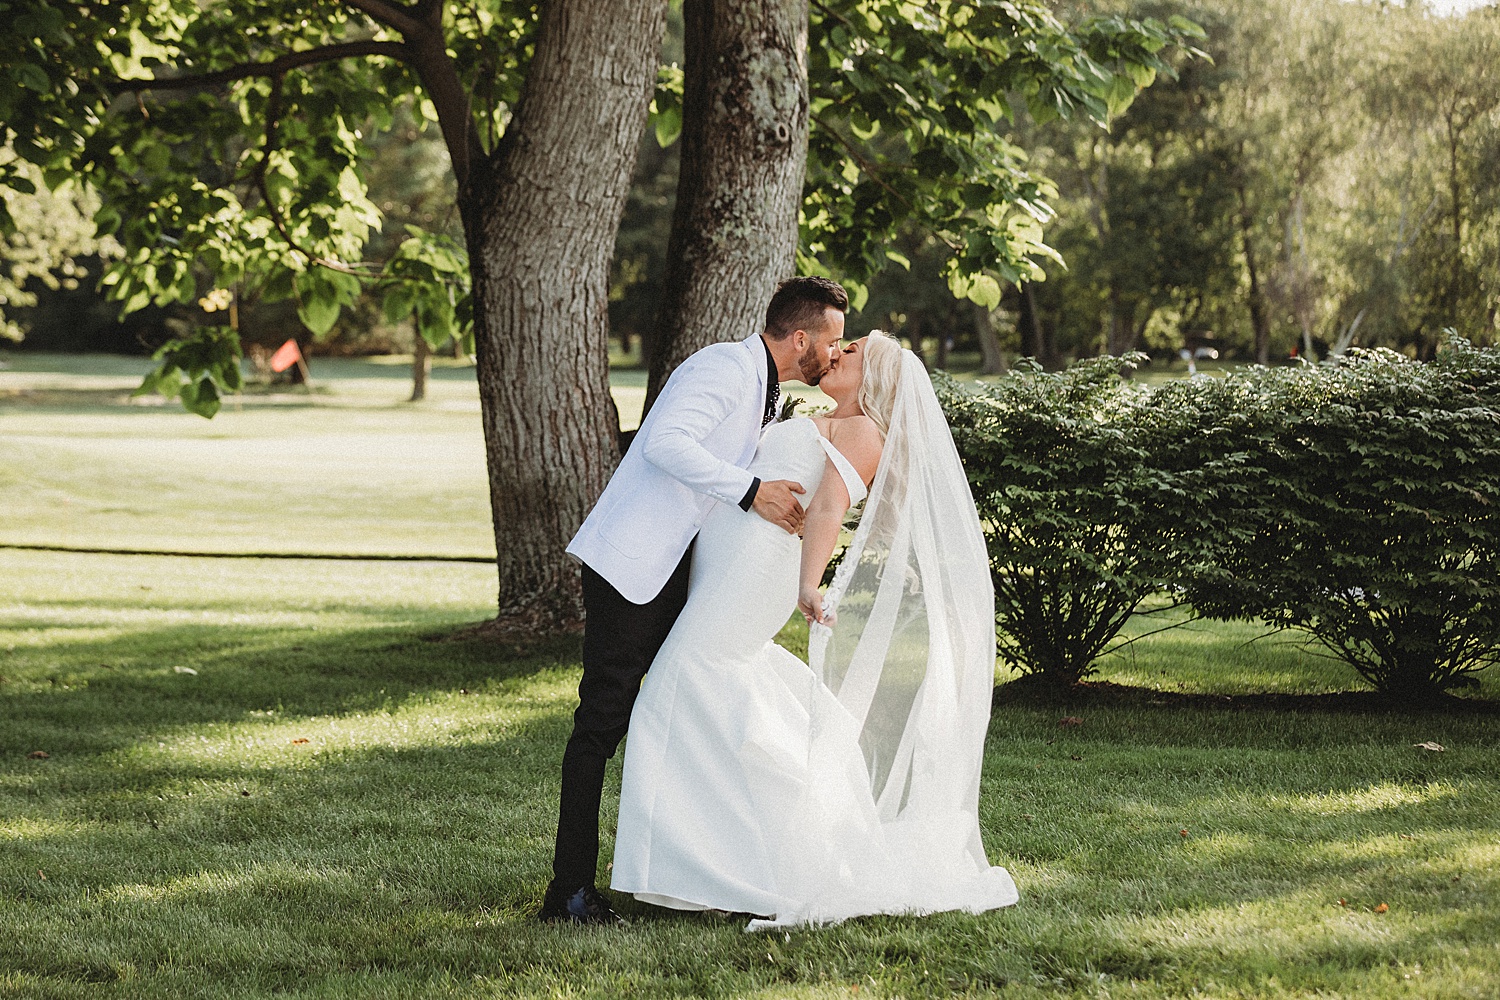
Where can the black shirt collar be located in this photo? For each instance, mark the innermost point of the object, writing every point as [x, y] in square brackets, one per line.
[773, 386]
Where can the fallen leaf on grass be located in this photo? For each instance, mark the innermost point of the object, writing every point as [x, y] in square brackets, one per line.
[184, 670]
[1182, 832]
[300, 739]
[1381, 908]
[40, 875]
[1343, 902]
[1070, 720]
[1074, 757]
[38, 755]
[1429, 745]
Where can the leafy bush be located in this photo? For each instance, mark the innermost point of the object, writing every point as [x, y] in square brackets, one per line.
[1371, 520]
[1357, 501]
[1073, 501]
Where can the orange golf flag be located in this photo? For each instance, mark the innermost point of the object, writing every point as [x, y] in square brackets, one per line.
[286, 355]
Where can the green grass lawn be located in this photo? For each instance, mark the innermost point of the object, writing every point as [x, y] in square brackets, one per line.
[271, 777]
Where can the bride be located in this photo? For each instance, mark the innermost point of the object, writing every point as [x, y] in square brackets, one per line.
[848, 785]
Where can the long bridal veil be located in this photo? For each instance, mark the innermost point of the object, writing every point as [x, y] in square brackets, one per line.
[911, 652]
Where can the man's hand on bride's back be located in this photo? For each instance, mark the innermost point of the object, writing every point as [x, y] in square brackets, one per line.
[777, 502]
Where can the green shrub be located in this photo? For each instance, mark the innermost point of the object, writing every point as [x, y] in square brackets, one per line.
[1357, 501]
[1072, 501]
[1371, 520]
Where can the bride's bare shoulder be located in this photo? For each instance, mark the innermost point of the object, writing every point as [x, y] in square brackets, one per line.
[859, 440]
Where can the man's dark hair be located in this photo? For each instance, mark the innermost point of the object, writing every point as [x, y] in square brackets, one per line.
[799, 303]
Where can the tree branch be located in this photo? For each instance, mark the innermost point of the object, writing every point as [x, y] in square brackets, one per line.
[275, 68]
[430, 12]
[392, 15]
[424, 50]
[427, 53]
[868, 168]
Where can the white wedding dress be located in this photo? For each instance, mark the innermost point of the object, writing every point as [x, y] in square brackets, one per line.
[746, 788]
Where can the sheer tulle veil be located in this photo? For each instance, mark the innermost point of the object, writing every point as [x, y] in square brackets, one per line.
[911, 651]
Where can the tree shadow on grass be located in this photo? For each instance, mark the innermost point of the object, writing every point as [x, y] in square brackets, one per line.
[89, 695]
[1038, 691]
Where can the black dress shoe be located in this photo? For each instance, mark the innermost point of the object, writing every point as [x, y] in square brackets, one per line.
[584, 907]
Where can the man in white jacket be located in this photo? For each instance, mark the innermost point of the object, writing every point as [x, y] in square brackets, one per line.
[690, 454]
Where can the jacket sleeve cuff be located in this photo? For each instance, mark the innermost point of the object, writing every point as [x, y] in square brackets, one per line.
[749, 499]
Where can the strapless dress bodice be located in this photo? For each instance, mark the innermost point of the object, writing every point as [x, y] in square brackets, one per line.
[793, 449]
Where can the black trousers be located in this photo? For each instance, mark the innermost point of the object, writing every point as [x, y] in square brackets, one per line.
[620, 639]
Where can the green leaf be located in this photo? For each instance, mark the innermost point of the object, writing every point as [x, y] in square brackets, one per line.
[985, 291]
[1186, 27]
[150, 384]
[400, 299]
[859, 294]
[32, 77]
[200, 397]
[318, 312]
[668, 125]
[958, 284]
[1119, 95]
[321, 295]
[435, 319]
[666, 105]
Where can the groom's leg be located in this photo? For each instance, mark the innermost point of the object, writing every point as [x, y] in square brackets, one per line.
[620, 640]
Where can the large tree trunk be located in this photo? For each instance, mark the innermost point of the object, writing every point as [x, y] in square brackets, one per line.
[744, 149]
[540, 219]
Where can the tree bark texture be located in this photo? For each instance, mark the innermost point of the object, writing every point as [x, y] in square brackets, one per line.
[744, 150]
[540, 220]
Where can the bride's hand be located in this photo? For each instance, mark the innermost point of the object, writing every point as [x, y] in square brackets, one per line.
[810, 603]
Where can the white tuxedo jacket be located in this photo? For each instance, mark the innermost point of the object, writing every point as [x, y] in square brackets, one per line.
[690, 454]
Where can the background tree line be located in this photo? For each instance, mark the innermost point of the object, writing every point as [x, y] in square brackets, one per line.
[1330, 178]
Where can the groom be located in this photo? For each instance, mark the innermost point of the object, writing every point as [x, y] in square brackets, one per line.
[690, 455]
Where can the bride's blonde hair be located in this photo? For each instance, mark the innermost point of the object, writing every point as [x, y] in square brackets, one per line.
[881, 376]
